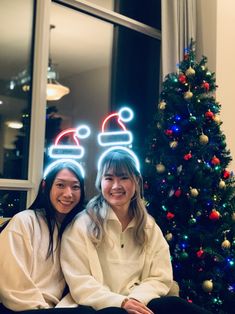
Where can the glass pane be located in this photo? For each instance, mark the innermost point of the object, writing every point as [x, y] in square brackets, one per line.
[16, 31]
[82, 61]
[135, 79]
[11, 202]
[147, 12]
[104, 67]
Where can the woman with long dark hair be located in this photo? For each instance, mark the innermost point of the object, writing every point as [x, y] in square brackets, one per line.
[31, 277]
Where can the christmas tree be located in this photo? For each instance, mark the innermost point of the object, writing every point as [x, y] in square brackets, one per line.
[188, 187]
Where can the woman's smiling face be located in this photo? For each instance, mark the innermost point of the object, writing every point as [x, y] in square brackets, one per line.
[118, 190]
[65, 193]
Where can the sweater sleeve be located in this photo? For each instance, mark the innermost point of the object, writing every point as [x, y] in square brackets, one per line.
[17, 290]
[81, 267]
[157, 275]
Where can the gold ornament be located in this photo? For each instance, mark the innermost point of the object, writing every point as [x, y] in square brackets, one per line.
[222, 184]
[226, 244]
[207, 285]
[203, 139]
[162, 105]
[190, 71]
[173, 144]
[217, 119]
[194, 192]
[160, 168]
[188, 95]
[233, 216]
[169, 236]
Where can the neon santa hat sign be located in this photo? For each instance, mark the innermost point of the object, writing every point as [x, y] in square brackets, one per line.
[117, 139]
[123, 137]
[68, 152]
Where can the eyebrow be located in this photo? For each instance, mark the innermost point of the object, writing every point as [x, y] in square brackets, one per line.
[63, 180]
[115, 174]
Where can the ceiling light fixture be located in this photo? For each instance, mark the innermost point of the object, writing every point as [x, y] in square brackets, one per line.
[55, 90]
[14, 124]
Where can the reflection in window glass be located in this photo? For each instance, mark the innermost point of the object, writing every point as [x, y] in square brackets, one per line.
[11, 202]
[82, 60]
[135, 79]
[15, 85]
[105, 67]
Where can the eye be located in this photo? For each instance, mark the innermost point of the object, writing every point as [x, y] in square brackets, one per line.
[76, 187]
[60, 185]
[108, 178]
[125, 178]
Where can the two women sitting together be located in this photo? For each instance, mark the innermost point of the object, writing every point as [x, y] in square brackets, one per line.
[110, 257]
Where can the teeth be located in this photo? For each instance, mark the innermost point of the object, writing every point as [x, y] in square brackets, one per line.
[65, 203]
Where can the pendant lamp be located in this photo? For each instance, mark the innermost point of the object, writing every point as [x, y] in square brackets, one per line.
[55, 90]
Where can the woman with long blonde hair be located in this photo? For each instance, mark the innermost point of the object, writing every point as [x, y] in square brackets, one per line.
[114, 254]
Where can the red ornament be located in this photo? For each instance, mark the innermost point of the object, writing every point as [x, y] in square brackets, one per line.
[170, 215]
[168, 132]
[178, 192]
[186, 56]
[226, 174]
[200, 253]
[187, 156]
[209, 115]
[182, 78]
[214, 215]
[206, 86]
[215, 161]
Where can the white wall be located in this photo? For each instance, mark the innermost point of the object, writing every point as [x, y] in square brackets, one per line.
[216, 40]
[225, 68]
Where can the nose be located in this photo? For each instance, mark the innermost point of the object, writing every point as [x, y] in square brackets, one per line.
[67, 192]
[116, 183]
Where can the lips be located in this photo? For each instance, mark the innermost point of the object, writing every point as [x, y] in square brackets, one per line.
[117, 193]
[65, 203]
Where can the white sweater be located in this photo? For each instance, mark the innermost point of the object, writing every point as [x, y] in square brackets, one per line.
[28, 279]
[105, 276]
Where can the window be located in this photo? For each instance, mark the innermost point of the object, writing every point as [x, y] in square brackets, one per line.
[106, 52]
[105, 66]
[15, 87]
[16, 52]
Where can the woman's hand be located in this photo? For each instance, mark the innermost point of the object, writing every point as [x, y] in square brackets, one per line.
[135, 307]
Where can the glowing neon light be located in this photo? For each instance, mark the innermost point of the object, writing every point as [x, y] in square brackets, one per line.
[66, 151]
[115, 138]
[70, 151]
[66, 132]
[109, 118]
[53, 164]
[122, 137]
[83, 131]
[123, 111]
[137, 163]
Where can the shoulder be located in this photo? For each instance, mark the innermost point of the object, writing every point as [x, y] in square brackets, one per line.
[24, 221]
[80, 222]
[151, 223]
[153, 230]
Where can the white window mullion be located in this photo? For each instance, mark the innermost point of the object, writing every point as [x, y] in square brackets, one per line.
[38, 114]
